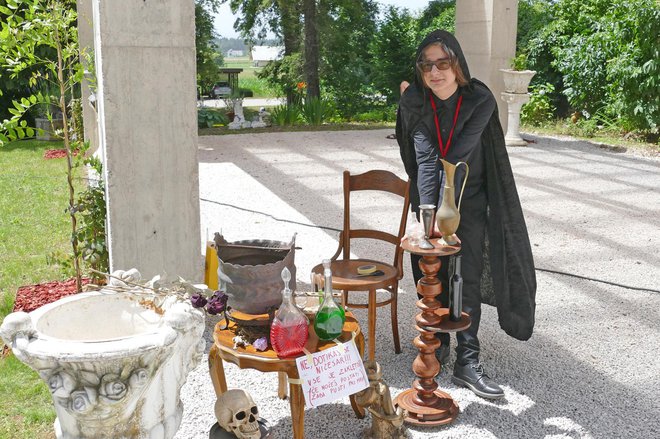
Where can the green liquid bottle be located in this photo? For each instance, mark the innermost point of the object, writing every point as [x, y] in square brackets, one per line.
[330, 317]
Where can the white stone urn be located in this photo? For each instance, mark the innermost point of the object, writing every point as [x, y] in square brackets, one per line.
[517, 81]
[114, 365]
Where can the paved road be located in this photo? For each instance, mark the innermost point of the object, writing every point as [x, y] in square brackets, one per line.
[591, 370]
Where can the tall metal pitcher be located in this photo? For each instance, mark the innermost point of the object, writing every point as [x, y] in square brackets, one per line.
[448, 216]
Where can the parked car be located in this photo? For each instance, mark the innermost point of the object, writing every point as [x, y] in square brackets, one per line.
[221, 90]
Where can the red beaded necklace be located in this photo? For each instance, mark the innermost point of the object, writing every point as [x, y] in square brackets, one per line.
[443, 149]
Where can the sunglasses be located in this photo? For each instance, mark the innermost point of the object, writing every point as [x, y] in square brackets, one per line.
[440, 64]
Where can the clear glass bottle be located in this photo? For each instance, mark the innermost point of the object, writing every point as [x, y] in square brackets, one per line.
[289, 330]
[330, 317]
[456, 291]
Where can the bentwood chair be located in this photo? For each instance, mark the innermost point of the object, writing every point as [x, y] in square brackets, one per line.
[345, 275]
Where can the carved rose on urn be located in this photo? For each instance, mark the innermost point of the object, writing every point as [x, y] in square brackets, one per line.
[82, 401]
[61, 384]
[112, 389]
[138, 379]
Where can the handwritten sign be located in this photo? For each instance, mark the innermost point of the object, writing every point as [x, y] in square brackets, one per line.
[331, 374]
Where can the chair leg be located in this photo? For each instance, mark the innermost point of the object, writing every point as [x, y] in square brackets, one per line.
[371, 322]
[395, 319]
[344, 298]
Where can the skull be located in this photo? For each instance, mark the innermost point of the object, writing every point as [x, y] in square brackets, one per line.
[237, 413]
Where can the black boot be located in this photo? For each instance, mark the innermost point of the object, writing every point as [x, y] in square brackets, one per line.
[442, 353]
[473, 376]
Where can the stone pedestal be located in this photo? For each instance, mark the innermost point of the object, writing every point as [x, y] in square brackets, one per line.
[514, 102]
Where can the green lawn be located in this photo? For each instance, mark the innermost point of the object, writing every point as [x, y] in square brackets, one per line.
[33, 227]
[248, 79]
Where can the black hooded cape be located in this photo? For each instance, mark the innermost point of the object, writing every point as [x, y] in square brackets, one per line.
[508, 280]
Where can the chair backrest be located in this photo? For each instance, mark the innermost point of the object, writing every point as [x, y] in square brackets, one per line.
[378, 180]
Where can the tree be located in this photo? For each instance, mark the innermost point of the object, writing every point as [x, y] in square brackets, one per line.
[208, 58]
[347, 28]
[438, 14]
[311, 50]
[27, 27]
[533, 16]
[283, 18]
[607, 53]
[393, 51]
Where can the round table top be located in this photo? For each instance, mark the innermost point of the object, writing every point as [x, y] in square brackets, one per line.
[440, 248]
[345, 274]
[224, 341]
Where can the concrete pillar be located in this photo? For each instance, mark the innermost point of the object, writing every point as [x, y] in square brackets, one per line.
[86, 41]
[487, 31]
[146, 103]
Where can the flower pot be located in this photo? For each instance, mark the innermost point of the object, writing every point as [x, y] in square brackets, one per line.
[114, 366]
[516, 81]
[251, 272]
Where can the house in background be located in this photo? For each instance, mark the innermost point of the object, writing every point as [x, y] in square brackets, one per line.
[262, 55]
[232, 53]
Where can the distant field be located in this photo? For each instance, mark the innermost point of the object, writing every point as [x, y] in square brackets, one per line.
[248, 79]
[242, 63]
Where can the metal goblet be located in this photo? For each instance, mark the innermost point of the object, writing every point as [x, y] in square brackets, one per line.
[427, 211]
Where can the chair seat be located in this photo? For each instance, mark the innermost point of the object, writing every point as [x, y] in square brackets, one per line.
[345, 274]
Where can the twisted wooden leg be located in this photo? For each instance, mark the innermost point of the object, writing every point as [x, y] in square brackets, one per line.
[426, 405]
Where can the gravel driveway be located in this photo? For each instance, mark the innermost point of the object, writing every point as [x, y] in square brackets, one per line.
[592, 368]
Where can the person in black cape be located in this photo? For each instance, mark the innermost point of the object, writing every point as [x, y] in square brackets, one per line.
[498, 267]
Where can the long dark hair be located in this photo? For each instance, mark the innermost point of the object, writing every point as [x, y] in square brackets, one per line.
[455, 65]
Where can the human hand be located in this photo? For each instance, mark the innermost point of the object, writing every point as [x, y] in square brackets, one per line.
[436, 233]
[403, 86]
[455, 238]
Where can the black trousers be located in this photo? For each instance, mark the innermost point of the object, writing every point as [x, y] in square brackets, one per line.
[471, 232]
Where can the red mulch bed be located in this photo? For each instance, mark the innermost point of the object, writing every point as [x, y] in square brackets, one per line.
[56, 153]
[31, 297]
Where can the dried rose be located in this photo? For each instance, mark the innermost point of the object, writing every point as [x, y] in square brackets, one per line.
[221, 297]
[198, 300]
[215, 306]
[260, 344]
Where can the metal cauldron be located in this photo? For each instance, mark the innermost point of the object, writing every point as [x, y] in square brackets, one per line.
[250, 272]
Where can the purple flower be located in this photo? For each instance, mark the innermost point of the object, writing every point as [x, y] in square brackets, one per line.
[198, 300]
[260, 344]
[215, 305]
[220, 296]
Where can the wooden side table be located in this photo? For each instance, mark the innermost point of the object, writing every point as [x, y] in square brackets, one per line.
[426, 405]
[268, 361]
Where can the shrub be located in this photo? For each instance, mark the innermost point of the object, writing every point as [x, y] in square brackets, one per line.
[207, 117]
[384, 114]
[540, 108]
[583, 127]
[286, 115]
[315, 111]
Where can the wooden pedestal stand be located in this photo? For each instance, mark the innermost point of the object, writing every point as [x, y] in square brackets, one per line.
[425, 404]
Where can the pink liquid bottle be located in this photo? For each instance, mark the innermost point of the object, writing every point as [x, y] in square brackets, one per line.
[288, 332]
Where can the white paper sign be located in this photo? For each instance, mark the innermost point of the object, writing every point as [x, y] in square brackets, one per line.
[332, 374]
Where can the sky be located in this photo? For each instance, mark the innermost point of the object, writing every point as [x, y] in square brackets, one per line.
[224, 19]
